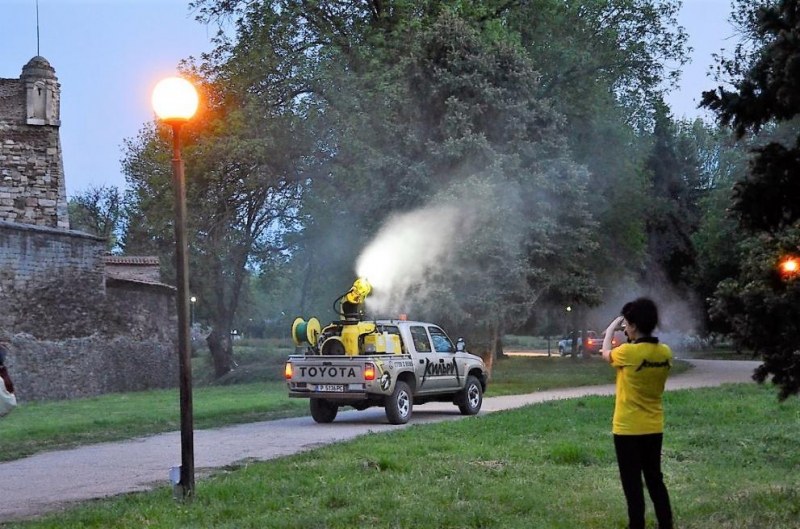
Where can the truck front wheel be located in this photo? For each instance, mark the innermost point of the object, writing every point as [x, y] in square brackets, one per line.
[399, 404]
[323, 411]
[471, 397]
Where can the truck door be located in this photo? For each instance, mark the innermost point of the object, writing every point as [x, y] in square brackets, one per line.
[424, 360]
[445, 350]
[435, 370]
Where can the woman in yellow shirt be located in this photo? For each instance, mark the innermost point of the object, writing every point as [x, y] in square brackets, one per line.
[642, 367]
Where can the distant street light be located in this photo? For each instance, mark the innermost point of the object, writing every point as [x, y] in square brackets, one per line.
[789, 267]
[175, 102]
[193, 300]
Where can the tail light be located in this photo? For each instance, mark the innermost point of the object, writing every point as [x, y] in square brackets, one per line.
[288, 371]
[369, 371]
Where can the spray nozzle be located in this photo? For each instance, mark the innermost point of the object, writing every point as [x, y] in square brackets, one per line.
[359, 291]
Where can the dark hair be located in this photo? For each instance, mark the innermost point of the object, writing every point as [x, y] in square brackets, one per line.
[643, 313]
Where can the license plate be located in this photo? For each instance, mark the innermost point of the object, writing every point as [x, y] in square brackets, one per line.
[334, 388]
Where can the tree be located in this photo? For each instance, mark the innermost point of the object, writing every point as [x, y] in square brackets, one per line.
[99, 211]
[243, 167]
[764, 89]
[606, 65]
[454, 120]
[672, 204]
[723, 161]
[402, 113]
[595, 52]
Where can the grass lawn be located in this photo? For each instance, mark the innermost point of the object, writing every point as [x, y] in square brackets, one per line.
[37, 426]
[730, 462]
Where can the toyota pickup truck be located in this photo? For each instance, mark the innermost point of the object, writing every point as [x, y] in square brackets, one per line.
[391, 363]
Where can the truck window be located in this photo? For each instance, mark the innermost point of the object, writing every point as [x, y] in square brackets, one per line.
[391, 329]
[441, 343]
[420, 338]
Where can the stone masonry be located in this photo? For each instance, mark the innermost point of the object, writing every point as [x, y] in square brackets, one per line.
[78, 322]
[32, 188]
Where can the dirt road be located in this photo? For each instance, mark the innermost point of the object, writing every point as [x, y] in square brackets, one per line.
[48, 481]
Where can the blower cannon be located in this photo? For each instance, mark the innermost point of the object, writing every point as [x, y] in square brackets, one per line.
[351, 335]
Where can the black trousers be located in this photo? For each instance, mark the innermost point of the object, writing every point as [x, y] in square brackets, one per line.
[639, 455]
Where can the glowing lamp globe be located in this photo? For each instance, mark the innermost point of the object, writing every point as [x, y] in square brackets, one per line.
[175, 100]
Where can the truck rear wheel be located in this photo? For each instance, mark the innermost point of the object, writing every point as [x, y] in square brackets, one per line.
[471, 397]
[323, 411]
[399, 404]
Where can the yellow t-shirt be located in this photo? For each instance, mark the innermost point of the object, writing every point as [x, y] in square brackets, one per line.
[642, 370]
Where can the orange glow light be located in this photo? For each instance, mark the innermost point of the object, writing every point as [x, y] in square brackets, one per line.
[369, 372]
[288, 372]
[790, 267]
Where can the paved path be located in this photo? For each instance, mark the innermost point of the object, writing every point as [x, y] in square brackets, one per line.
[48, 481]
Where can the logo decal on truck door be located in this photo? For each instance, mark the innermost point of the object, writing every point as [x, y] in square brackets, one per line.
[440, 369]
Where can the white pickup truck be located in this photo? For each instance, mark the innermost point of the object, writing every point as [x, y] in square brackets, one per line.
[392, 363]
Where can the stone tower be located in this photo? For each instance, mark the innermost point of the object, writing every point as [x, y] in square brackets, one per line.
[32, 187]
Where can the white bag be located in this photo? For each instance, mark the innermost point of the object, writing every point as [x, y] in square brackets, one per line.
[8, 401]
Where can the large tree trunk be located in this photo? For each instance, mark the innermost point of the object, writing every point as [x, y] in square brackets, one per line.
[495, 347]
[219, 343]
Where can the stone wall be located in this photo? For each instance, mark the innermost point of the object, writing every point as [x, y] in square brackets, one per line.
[76, 332]
[84, 367]
[131, 346]
[141, 311]
[32, 255]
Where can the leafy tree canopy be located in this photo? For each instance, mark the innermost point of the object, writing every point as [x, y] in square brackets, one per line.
[99, 211]
[765, 86]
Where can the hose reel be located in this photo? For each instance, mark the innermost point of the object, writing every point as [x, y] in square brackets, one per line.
[305, 331]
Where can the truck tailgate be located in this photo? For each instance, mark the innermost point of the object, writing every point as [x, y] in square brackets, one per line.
[330, 377]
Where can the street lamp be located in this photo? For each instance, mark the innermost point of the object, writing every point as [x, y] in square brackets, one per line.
[175, 102]
[192, 300]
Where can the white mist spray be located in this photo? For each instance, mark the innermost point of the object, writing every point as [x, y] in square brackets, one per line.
[406, 251]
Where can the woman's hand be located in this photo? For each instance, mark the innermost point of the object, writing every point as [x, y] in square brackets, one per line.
[606, 349]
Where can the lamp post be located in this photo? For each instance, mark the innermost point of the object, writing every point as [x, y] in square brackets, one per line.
[175, 102]
[192, 300]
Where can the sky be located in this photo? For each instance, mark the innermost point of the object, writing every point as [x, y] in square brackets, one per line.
[109, 54]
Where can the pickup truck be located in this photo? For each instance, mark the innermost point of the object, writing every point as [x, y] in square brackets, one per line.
[397, 365]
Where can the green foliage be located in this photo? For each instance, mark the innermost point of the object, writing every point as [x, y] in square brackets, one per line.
[672, 204]
[605, 65]
[631, 50]
[379, 108]
[244, 162]
[757, 302]
[762, 306]
[98, 211]
[723, 162]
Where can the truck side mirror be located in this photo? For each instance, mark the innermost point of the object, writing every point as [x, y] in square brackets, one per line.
[461, 345]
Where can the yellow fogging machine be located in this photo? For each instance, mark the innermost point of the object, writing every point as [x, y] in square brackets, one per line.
[351, 335]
